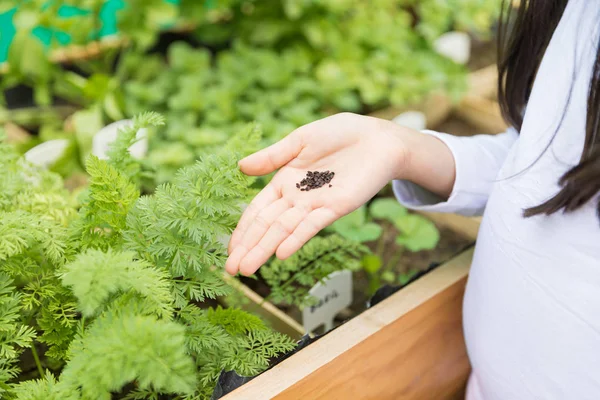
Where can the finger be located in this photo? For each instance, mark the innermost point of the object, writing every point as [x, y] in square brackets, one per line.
[255, 232]
[309, 227]
[277, 233]
[233, 261]
[263, 221]
[262, 200]
[273, 157]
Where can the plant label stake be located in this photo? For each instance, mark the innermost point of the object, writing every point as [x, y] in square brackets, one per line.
[333, 295]
[108, 134]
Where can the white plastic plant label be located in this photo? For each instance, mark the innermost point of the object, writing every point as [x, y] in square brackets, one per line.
[108, 134]
[412, 119]
[454, 45]
[333, 296]
[47, 153]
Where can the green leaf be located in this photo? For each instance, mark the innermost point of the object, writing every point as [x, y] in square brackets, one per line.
[405, 277]
[112, 107]
[371, 263]
[87, 123]
[417, 233]
[95, 276]
[150, 352]
[387, 208]
[369, 232]
[354, 227]
[388, 276]
[161, 14]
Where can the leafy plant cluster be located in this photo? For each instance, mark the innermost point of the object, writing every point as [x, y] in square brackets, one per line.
[281, 63]
[42, 27]
[341, 246]
[412, 233]
[105, 290]
[290, 280]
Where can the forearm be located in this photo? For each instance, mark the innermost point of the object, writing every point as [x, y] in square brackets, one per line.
[447, 173]
[428, 162]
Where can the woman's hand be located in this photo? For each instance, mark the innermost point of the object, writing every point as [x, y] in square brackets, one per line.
[365, 153]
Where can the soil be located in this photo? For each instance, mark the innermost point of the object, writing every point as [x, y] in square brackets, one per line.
[450, 244]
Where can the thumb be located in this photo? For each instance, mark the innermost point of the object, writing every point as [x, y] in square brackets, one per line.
[273, 157]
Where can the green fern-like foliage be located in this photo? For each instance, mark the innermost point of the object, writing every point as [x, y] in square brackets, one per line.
[122, 347]
[38, 389]
[110, 197]
[96, 277]
[35, 210]
[112, 289]
[14, 335]
[250, 344]
[118, 152]
[291, 279]
[179, 228]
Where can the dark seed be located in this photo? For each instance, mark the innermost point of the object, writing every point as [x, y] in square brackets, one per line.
[315, 180]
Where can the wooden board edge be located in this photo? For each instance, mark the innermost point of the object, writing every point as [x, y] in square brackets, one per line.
[482, 113]
[257, 304]
[290, 371]
[483, 82]
[421, 355]
[466, 226]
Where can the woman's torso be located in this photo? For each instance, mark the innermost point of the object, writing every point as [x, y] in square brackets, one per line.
[532, 306]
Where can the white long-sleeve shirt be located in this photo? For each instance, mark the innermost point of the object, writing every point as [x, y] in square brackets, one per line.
[532, 303]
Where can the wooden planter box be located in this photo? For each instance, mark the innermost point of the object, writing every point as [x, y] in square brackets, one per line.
[480, 106]
[409, 346]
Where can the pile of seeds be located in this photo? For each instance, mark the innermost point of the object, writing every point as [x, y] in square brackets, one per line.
[315, 180]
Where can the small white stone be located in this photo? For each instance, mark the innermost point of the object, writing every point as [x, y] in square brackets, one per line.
[454, 45]
[47, 153]
[108, 134]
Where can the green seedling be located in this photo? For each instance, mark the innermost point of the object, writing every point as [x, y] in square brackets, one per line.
[355, 226]
[416, 233]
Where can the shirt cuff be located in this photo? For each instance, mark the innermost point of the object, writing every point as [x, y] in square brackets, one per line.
[463, 199]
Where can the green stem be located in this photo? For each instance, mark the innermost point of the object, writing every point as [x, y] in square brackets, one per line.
[36, 357]
[374, 283]
[381, 243]
[394, 260]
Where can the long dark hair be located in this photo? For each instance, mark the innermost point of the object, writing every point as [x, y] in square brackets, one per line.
[524, 34]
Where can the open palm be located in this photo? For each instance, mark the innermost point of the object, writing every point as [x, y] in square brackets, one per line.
[363, 152]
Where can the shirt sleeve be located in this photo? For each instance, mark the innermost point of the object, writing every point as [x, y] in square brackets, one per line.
[478, 161]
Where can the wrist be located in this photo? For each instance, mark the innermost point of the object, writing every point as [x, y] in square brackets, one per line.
[405, 146]
[423, 159]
